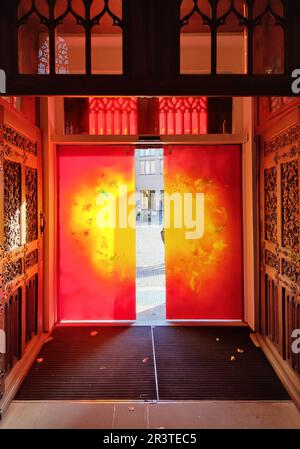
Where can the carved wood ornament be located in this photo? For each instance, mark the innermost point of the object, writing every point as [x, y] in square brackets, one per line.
[20, 241]
[280, 216]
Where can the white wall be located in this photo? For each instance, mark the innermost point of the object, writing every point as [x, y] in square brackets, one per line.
[195, 53]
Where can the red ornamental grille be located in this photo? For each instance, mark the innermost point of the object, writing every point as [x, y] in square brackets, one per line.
[113, 116]
[183, 115]
[177, 115]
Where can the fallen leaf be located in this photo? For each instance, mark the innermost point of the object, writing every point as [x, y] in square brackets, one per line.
[146, 360]
[93, 334]
[218, 340]
[240, 351]
[40, 360]
[131, 409]
[232, 358]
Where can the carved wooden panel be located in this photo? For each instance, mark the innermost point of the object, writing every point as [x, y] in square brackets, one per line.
[292, 312]
[31, 307]
[11, 271]
[271, 260]
[272, 313]
[290, 204]
[12, 205]
[31, 259]
[276, 103]
[31, 195]
[12, 137]
[271, 204]
[291, 270]
[280, 218]
[13, 328]
[283, 139]
[20, 236]
[2, 355]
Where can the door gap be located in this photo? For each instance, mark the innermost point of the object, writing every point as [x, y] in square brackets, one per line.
[150, 249]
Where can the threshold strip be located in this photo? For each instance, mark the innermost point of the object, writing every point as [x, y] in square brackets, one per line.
[154, 362]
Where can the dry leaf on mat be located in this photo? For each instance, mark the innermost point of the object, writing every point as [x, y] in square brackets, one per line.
[93, 334]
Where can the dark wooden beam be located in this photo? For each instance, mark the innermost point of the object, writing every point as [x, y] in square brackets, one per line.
[8, 38]
[103, 85]
[151, 38]
[292, 42]
[136, 25]
[151, 59]
[167, 39]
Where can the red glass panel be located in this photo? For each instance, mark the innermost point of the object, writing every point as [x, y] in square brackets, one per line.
[177, 115]
[204, 270]
[113, 116]
[97, 263]
[183, 115]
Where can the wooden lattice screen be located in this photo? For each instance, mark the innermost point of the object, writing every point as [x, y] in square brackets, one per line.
[280, 238]
[20, 236]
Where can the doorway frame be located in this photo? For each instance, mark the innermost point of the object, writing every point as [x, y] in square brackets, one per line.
[52, 122]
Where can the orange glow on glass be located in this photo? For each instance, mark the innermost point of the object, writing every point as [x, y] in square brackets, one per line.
[96, 265]
[204, 276]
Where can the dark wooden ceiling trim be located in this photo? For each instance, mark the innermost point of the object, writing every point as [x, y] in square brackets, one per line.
[151, 57]
[101, 85]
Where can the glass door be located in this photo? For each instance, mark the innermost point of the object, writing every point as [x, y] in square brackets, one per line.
[96, 233]
[203, 232]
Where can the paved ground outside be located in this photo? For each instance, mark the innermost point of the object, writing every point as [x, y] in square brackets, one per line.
[136, 415]
[150, 274]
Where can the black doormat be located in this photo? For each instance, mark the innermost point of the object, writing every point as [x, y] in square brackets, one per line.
[213, 363]
[93, 363]
[116, 363]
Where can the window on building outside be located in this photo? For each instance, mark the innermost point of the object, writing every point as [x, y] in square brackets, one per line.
[147, 168]
[142, 167]
[161, 166]
[153, 167]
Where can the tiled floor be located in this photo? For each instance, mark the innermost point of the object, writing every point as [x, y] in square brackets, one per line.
[189, 415]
